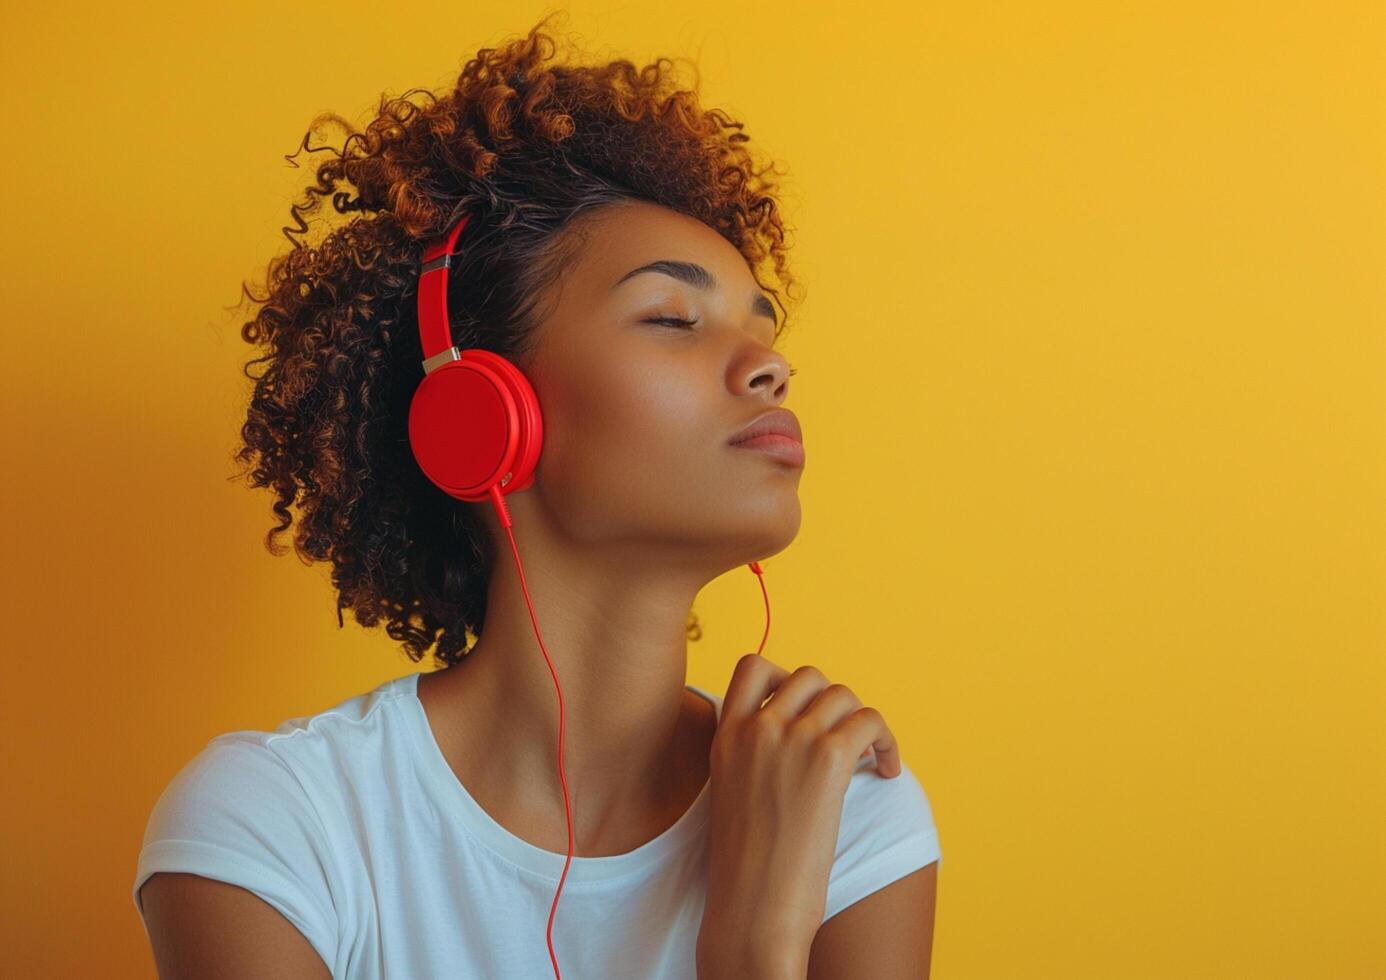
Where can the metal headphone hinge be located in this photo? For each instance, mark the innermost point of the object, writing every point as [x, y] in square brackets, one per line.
[441, 358]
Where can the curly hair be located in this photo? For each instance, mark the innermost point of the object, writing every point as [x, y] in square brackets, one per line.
[524, 147]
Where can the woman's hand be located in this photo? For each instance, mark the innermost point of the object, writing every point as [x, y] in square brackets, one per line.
[779, 773]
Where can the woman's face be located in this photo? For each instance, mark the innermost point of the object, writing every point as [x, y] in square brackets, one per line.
[637, 414]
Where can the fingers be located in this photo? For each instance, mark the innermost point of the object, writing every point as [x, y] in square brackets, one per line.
[753, 680]
[866, 727]
[834, 708]
[800, 690]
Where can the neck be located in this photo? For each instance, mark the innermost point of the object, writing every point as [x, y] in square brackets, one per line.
[635, 741]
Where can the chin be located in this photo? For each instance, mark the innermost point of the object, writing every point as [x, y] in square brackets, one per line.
[775, 530]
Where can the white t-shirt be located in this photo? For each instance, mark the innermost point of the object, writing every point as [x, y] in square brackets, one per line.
[352, 824]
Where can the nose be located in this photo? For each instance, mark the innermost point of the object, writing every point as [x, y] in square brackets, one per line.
[767, 372]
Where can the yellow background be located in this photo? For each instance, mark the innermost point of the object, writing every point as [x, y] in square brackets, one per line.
[1090, 372]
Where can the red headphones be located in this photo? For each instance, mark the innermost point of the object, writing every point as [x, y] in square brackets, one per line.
[476, 430]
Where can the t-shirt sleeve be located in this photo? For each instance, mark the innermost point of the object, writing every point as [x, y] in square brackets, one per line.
[887, 831]
[238, 813]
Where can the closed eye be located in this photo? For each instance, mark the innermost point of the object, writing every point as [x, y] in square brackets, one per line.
[675, 321]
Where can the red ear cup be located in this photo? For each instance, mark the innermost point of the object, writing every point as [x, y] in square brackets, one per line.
[530, 432]
[475, 422]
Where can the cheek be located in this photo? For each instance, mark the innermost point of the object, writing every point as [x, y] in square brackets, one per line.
[624, 440]
[639, 411]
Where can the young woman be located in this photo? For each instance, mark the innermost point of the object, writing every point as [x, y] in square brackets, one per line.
[615, 233]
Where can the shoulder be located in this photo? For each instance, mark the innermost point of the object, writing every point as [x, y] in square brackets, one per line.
[288, 778]
[901, 796]
[282, 782]
[236, 778]
[887, 831]
[238, 812]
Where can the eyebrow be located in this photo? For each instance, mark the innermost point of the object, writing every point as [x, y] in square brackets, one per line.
[698, 277]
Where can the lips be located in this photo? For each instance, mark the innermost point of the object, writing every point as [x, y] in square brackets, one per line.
[780, 422]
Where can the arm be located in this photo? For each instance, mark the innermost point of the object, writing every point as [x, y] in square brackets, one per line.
[889, 933]
[212, 930]
[737, 948]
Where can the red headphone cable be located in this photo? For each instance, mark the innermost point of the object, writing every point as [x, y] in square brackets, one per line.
[498, 499]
